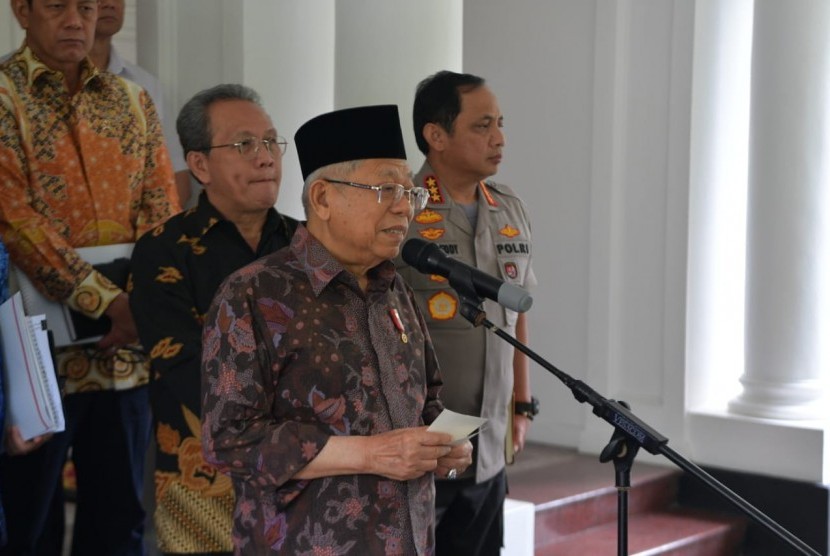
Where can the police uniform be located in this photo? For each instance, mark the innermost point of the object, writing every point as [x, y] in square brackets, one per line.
[476, 366]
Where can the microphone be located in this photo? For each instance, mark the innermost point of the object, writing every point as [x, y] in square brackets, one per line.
[427, 258]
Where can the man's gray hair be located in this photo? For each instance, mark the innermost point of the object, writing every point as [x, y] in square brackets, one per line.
[339, 171]
[193, 123]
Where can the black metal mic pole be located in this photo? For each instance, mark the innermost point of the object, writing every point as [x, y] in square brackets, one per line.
[622, 451]
[627, 426]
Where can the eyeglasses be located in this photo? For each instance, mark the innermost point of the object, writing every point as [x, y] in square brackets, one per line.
[391, 193]
[249, 148]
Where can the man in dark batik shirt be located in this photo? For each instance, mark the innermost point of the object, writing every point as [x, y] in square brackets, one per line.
[319, 375]
[233, 149]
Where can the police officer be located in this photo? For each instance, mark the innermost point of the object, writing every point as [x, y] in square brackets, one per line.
[485, 225]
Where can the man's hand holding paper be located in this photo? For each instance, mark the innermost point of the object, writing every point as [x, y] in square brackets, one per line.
[461, 428]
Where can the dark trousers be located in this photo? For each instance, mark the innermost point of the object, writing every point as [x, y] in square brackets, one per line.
[470, 516]
[108, 433]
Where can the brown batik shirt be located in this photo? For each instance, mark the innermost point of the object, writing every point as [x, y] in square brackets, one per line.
[294, 353]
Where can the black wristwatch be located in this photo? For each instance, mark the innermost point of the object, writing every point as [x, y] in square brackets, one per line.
[528, 409]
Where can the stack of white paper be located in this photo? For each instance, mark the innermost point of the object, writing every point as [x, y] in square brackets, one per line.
[31, 387]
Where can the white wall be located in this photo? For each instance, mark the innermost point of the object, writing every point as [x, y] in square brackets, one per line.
[598, 99]
[595, 97]
[538, 58]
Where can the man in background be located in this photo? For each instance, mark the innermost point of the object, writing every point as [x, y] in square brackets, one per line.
[233, 149]
[83, 164]
[458, 124]
[106, 57]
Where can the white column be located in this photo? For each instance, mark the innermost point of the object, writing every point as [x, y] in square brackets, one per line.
[284, 50]
[788, 219]
[304, 58]
[385, 47]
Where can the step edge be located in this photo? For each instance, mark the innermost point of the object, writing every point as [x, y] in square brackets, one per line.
[716, 528]
[591, 494]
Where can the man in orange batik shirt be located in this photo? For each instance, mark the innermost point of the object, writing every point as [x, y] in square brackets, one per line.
[82, 163]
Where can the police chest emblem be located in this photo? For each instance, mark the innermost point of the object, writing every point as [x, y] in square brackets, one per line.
[509, 231]
[428, 216]
[431, 233]
[442, 306]
[511, 270]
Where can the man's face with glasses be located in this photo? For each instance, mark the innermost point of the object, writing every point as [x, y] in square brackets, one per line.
[371, 210]
[242, 168]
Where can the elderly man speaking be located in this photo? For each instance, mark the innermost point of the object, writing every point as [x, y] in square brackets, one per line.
[318, 373]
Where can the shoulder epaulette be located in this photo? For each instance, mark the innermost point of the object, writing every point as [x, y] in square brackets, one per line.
[436, 196]
[500, 188]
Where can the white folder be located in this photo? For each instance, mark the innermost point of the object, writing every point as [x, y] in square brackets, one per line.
[58, 317]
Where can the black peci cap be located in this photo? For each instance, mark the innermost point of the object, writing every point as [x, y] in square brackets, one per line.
[350, 134]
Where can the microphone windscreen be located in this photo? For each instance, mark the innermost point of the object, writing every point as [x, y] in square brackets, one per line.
[414, 252]
[514, 298]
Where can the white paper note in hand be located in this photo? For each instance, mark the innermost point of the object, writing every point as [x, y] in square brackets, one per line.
[458, 425]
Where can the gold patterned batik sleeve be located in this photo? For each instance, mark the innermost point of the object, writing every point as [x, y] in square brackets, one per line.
[93, 295]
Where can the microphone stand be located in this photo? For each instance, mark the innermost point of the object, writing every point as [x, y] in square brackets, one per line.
[630, 432]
